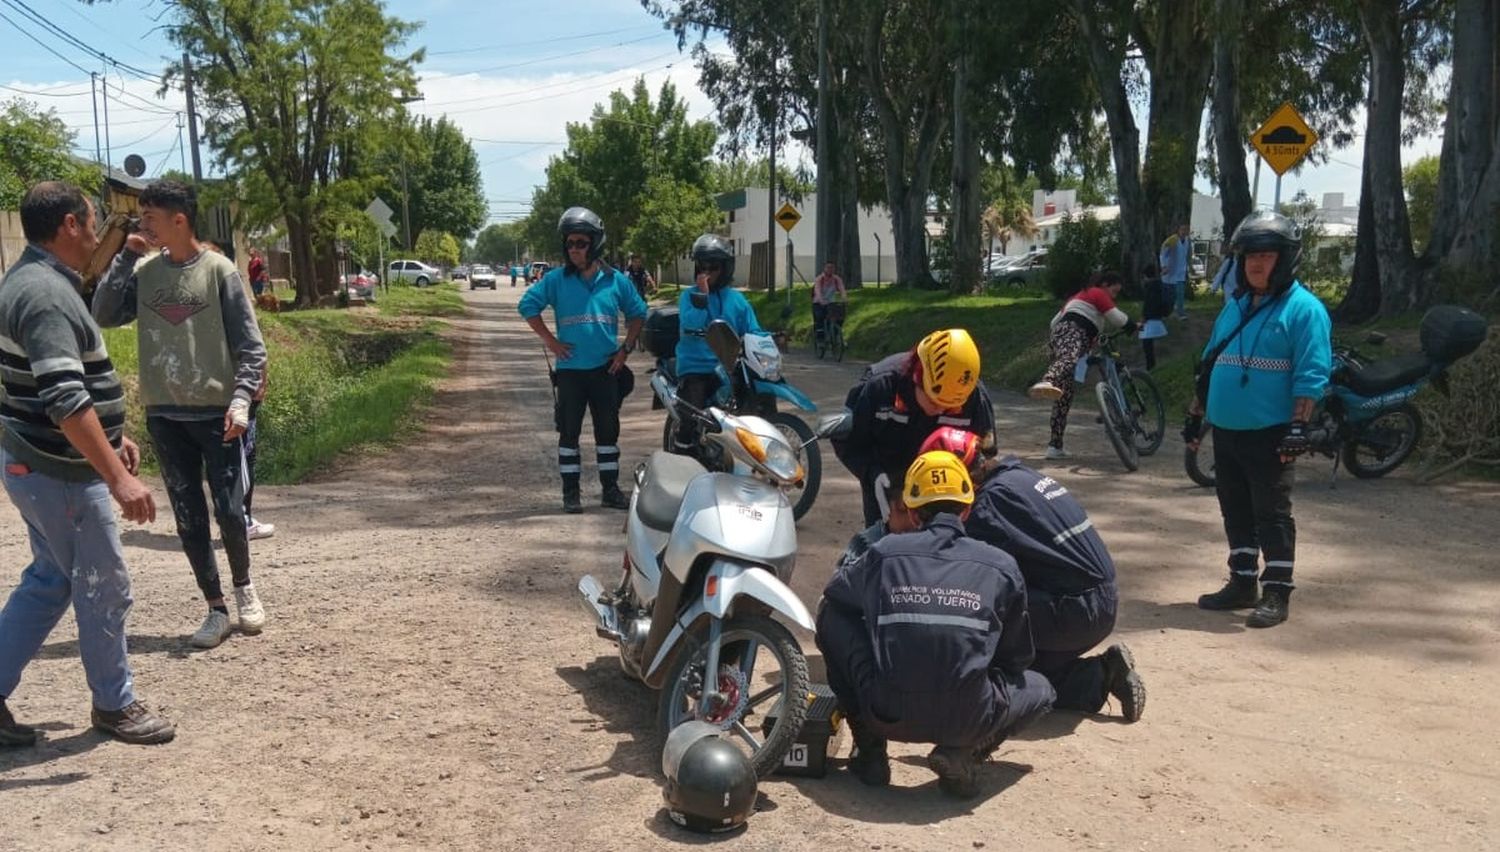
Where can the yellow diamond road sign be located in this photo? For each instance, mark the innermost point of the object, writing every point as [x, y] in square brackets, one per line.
[1284, 139]
[788, 217]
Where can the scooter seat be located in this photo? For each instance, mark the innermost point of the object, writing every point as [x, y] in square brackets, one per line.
[1387, 374]
[662, 488]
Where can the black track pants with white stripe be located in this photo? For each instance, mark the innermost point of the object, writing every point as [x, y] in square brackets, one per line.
[1255, 497]
[596, 392]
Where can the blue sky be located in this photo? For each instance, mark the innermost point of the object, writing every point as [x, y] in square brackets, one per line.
[510, 73]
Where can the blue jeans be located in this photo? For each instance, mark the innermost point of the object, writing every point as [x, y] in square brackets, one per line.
[1179, 296]
[76, 558]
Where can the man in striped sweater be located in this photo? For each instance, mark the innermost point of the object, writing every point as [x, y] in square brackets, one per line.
[65, 456]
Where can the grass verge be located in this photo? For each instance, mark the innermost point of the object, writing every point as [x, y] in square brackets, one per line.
[338, 380]
[404, 300]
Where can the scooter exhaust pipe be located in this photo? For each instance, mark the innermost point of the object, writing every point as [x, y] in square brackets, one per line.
[606, 622]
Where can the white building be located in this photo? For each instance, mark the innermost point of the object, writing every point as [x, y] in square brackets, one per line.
[745, 220]
[1050, 209]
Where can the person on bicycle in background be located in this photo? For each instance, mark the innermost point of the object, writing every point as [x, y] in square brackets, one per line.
[828, 289]
[926, 637]
[1070, 578]
[712, 298]
[1075, 330]
[1274, 354]
[900, 400]
[587, 298]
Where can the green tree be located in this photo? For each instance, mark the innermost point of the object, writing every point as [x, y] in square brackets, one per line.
[34, 147]
[500, 244]
[1084, 245]
[611, 159]
[290, 90]
[672, 215]
[442, 173]
[1421, 180]
[438, 248]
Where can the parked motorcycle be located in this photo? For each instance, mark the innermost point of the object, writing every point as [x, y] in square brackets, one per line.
[708, 556]
[1366, 419]
[749, 383]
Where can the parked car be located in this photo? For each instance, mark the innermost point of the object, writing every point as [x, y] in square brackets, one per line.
[460, 273]
[361, 284]
[482, 276]
[413, 272]
[1026, 270]
[998, 263]
[538, 269]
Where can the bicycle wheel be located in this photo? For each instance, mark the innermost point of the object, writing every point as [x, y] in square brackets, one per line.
[836, 344]
[1117, 427]
[820, 341]
[1199, 463]
[1146, 410]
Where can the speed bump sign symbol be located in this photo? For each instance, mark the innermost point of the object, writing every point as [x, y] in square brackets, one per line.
[1284, 139]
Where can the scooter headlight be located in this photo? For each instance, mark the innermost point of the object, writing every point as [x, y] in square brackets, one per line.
[782, 462]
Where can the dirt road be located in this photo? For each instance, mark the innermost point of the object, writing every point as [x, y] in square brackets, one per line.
[427, 680]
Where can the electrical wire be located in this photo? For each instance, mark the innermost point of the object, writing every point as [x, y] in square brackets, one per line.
[550, 85]
[530, 43]
[627, 72]
[26, 10]
[46, 93]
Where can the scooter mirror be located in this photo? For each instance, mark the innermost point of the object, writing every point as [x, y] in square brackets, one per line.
[836, 425]
[724, 342]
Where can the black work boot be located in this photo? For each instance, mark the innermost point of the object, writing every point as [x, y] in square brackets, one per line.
[611, 496]
[957, 770]
[1273, 607]
[13, 733]
[870, 762]
[1240, 592]
[1122, 681]
[572, 496]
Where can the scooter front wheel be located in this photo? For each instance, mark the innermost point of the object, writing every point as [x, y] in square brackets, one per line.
[762, 678]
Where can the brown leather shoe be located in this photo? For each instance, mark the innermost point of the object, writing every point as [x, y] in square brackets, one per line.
[135, 725]
[13, 733]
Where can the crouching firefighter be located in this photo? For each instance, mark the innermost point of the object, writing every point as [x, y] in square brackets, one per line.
[587, 298]
[1071, 596]
[926, 638]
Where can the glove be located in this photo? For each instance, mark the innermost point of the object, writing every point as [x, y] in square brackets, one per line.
[1295, 442]
[239, 412]
[1192, 428]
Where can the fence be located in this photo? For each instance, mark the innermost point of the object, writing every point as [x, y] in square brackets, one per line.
[12, 240]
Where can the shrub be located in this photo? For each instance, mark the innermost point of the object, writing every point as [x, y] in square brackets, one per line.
[1084, 245]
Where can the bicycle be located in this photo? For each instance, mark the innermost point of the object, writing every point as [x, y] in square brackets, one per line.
[1130, 405]
[828, 337]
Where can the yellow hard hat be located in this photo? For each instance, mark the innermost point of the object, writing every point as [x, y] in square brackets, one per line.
[937, 475]
[950, 366]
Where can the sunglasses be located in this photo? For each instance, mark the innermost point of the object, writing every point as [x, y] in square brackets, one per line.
[578, 244]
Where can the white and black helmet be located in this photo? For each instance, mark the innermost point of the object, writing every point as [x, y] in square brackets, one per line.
[711, 786]
[581, 220]
[1266, 230]
[712, 248]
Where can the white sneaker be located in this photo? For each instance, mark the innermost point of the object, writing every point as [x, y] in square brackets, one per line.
[257, 530]
[215, 630]
[247, 605]
[1044, 390]
[1057, 453]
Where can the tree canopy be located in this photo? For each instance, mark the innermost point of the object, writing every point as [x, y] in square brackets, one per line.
[34, 146]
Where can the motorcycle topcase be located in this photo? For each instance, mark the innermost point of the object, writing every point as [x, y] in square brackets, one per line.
[663, 327]
[1449, 332]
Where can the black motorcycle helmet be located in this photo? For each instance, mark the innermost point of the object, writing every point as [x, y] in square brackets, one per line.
[1265, 230]
[712, 248]
[581, 220]
[711, 786]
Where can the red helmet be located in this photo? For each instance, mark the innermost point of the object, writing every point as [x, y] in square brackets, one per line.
[963, 444]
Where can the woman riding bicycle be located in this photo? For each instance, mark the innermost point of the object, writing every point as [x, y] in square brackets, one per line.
[1075, 329]
[828, 291]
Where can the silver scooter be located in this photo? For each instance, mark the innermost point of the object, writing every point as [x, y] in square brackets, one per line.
[707, 561]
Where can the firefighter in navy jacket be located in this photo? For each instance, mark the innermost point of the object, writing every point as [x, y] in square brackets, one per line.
[926, 639]
[1071, 596]
[901, 399]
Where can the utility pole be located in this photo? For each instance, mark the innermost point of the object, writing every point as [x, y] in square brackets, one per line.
[192, 116]
[181, 149]
[771, 199]
[94, 98]
[823, 237]
[108, 155]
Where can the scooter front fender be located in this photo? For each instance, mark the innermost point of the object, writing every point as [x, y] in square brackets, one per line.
[729, 582]
[782, 390]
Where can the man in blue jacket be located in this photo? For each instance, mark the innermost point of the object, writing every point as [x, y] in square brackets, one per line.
[711, 298]
[926, 638]
[586, 297]
[1273, 341]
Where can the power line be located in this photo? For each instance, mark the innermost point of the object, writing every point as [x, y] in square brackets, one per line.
[43, 45]
[513, 141]
[45, 93]
[153, 133]
[550, 85]
[628, 72]
[69, 38]
[564, 55]
[529, 43]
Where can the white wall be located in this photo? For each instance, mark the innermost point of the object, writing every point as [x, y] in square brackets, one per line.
[749, 226]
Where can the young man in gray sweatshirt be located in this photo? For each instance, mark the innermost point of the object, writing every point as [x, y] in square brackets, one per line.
[65, 456]
[201, 363]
